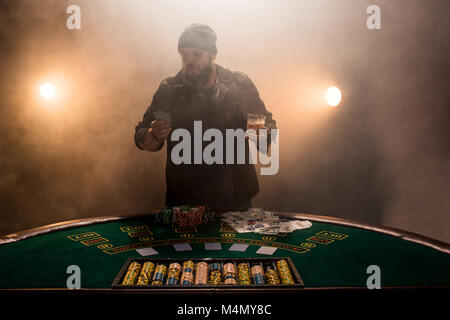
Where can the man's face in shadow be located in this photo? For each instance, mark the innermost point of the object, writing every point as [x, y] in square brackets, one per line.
[197, 65]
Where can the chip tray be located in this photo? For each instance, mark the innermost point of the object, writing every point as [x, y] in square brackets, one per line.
[258, 281]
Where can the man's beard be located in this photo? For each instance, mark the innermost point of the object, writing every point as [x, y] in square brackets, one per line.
[194, 81]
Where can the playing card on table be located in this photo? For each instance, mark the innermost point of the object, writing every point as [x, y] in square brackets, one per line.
[286, 227]
[270, 230]
[266, 250]
[238, 247]
[182, 247]
[147, 251]
[257, 213]
[239, 228]
[298, 224]
[263, 222]
[213, 246]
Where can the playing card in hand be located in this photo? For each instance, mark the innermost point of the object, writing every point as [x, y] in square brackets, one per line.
[162, 115]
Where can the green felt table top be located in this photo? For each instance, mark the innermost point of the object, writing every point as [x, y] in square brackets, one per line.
[325, 255]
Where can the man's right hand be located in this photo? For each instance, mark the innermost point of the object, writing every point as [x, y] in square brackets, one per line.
[160, 129]
[155, 136]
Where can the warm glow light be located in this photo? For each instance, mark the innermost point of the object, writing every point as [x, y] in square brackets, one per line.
[333, 96]
[47, 90]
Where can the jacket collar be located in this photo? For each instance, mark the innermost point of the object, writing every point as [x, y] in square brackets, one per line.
[223, 75]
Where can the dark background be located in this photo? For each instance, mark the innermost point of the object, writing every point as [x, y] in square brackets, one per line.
[381, 157]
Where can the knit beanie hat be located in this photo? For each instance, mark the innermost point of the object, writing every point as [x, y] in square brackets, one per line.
[199, 36]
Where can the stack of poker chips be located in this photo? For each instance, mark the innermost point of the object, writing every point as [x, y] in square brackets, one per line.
[201, 273]
[285, 272]
[184, 216]
[180, 216]
[132, 274]
[163, 216]
[271, 275]
[215, 276]
[160, 275]
[173, 275]
[229, 273]
[187, 278]
[257, 274]
[208, 215]
[146, 273]
[244, 274]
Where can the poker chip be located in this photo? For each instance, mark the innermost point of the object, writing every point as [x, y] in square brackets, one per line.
[160, 274]
[215, 266]
[257, 274]
[132, 274]
[215, 276]
[208, 215]
[166, 216]
[244, 274]
[156, 215]
[184, 216]
[271, 276]
[146, 273]
[229, 274]
[187, 278]
[285, 272]
[201, 273]
[173, 275]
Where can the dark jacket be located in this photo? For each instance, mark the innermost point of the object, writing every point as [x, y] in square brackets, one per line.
[223, 106]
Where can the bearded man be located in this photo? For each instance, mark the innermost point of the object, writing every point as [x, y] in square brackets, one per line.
[221, 99]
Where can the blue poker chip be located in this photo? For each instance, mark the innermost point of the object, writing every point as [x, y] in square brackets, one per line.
[258, 279]
[229, 275]
[159, 276]
[172, 281]
[215, 266]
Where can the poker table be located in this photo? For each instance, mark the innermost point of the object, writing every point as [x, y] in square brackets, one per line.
[333, 253]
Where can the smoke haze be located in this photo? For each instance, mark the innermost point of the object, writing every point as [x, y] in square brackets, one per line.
[381, 157]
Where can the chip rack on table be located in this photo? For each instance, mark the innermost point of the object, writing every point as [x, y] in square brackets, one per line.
[223, 273]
